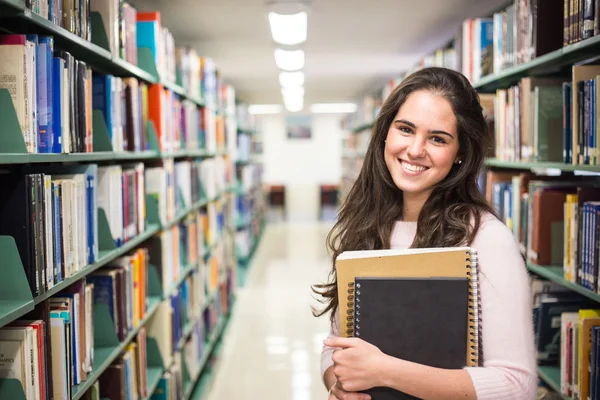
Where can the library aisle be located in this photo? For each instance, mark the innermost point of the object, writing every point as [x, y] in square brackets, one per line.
[271, 348]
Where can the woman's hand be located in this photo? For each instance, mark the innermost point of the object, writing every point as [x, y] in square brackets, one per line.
[337, 393]
[356, 364]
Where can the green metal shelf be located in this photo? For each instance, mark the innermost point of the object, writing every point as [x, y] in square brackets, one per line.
[10, 310]
[523, 165]
[551, 375]
[105, 356]
[556, 274]
[556, 62]
[27, 158]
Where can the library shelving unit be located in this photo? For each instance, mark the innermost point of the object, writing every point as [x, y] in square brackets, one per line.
[137, 269]
[250, 206]
[522, 164]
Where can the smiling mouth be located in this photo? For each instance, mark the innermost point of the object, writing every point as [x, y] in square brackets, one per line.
[412, 167]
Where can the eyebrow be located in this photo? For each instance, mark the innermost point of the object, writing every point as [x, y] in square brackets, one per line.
[439, 132]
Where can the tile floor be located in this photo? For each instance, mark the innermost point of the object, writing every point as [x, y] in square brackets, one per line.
[271, 349]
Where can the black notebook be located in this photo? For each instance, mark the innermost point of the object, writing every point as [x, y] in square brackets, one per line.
[423, 320]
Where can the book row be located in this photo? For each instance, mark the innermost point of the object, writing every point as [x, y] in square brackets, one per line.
[53, 353]
[555, 220]
[53, 212]
[125, 30]
[566, 331]
[55, 97]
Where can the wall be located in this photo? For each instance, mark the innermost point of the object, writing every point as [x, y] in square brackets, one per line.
[302, 164]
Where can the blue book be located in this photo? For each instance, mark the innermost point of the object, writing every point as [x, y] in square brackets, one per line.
[102, 99]
[105, 293]
[162, 390]
[57, 116]
[45, 112]
[148, 36]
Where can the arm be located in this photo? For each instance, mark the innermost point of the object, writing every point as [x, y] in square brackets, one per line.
[416, 380]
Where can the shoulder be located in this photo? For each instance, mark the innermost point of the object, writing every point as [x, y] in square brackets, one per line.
[492, 230]
[495, 241]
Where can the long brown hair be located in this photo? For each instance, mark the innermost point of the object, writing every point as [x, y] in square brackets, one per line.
[452, 214]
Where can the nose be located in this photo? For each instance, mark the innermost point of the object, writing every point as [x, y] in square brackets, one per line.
[416, 149]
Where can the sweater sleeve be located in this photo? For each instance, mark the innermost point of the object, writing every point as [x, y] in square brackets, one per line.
[327, 351]
[509, 367]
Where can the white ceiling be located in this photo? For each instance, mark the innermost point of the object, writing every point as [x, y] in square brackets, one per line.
[353, 46]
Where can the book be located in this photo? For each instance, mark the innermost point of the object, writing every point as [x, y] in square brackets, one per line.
[367, 280]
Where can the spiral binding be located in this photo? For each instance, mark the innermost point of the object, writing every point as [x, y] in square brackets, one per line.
[350, 312]
[476, 353]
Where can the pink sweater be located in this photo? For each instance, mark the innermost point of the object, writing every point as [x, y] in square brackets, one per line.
[509, 367]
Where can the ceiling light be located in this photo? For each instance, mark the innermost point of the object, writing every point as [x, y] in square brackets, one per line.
[264, 109]
[333, 108]
[288, 29]
[289, 60]
[294, 92]
[291, 79]
[294, 104]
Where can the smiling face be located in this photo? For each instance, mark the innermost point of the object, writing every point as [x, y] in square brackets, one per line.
[421, 144]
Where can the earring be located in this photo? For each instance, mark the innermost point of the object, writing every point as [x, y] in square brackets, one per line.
[459, 162]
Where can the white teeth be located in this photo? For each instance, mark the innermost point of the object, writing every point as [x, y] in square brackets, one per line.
[413, 168]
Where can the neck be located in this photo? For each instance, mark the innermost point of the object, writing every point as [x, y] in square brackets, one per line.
[412, 205]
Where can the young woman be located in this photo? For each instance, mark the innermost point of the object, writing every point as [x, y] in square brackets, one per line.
[418, 188]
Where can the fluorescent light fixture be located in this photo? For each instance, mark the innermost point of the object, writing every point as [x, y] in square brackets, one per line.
[289, 60]
[291, 79]
[288, 29]
[333, 108]
[264, 109]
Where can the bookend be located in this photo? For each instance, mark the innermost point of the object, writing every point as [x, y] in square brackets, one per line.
[105, 334]
[154, 365]
[11, 139]
[152, 214]
[184, 207]
[153, 357]
[146, 62]
[101, 138]
[185, 375]
[16, 299]
[178, 79]
[106, 242]
[11, 389]
[154, 282]
[152, 137]
[99, 37]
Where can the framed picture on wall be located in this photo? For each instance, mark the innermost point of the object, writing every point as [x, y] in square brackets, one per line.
[298, 126]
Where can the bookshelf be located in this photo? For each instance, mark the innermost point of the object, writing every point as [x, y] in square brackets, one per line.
[176, 192]
[516, 68]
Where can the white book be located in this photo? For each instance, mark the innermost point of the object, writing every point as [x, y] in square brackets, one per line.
[12, 361]
[66, 119]
[89, 327]
[13, 64]
[32, 94]
[25, 336]
[59, 360]
[49, 213]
